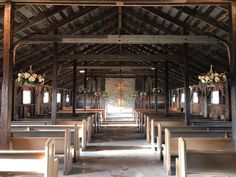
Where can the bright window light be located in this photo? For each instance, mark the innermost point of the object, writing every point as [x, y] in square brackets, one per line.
[26, 97]
[215, 97]
[45, 97]
[195, 97]
[173, 99]
[67, 98]
[58, 97]
[182, 98]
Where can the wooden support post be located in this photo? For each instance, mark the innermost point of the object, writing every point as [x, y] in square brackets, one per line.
[144, 90]
[149, 92]
[7, 89]
[74, 87]
[85, 87]
[186, 86]
[232, 72]
[156, 100]
[91, 91]
[166, 89]
[54, 82]
[96, 89]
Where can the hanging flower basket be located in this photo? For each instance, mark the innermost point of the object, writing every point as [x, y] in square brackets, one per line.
[29, 79]
[211, 79]
[143, 94]
[157, 89]
[83, 91]
[97, 94]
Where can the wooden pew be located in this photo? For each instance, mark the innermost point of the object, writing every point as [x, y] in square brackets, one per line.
[85, 132]
[61, 125]
[198, 139]
[53, 131]
[205, 160]
[23, 162]
[35, 122]
[161, 132]
[63, 149]
[155, 129]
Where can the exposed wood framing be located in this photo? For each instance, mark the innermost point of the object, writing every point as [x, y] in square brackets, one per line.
[7, 88]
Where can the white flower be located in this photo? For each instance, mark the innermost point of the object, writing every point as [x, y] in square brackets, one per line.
[216, 74]
[19, 79]
[31, 79]
[27, 75]
[217, 79]
[41, 80]
[34, 75]
[19, 74]
[224, 77]
[207, 78]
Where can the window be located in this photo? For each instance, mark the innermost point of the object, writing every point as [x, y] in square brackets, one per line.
[58, 97]
[173, 99]
[195, 97]
[182, 98]
[46, 97]
[26, 97]
[67, 98]
[215, 97]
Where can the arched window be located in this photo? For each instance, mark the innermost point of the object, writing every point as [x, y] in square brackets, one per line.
[215, 97]
[58, 97]
[26, 96]
[195, 97]
[182, 98]
[45, 97]
[67, 98]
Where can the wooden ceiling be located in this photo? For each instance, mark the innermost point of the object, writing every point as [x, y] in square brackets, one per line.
[115, 60]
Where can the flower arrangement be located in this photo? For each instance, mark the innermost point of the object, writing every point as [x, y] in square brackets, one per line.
[97, 94]
[156, 89]
[212, 78]
[136, 94]
[30, 79]
[83, 91]
[142, 94]
[105, 95]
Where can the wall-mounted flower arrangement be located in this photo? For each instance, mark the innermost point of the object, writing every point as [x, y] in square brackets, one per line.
[105, 95]
[136, 94]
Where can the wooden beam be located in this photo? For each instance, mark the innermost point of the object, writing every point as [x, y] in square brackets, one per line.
[112, 67]
[54, 82]
[119, 3]
[74, 92]
[122, 39]
[110, 57]
[7, 80]
[232, 72]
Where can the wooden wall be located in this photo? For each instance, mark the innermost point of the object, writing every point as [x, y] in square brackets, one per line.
[216, 111]
[37, 108]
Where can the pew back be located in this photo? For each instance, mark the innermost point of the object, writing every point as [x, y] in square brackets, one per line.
[210, 162]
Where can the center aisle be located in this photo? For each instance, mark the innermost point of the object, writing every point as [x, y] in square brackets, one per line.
[118, 150]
